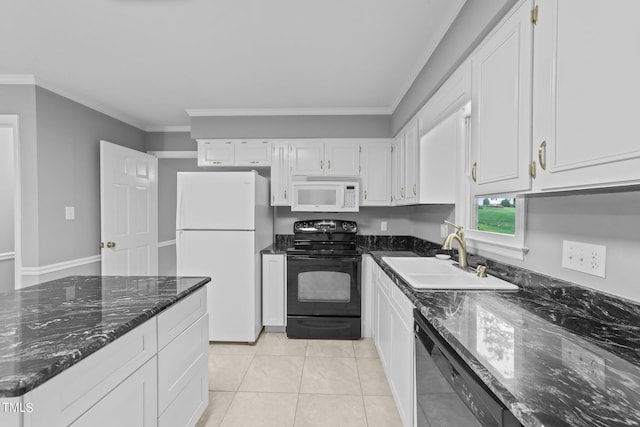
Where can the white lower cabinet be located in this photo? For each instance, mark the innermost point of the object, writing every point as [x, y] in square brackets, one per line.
[393, 336]
[273, 290]
[156, 374]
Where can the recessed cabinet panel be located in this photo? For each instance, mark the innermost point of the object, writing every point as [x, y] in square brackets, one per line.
[501, 107]
[252, 153]
[375, 174]
[306, 158]
[586, 91]
[216, 153]
[341, 158]
[280, 194]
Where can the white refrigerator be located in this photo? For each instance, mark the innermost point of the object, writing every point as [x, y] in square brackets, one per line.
[223, 221]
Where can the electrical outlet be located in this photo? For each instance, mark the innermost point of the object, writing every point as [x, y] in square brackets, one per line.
[444, 230]
[383, 225]
[584, 257]
[70, 212]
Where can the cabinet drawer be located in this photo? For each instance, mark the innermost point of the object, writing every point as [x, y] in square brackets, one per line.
[185, 357]
[188, 406]
[65, 397]
[176, 319]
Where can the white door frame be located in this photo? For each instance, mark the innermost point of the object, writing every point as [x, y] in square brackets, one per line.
[11, 121]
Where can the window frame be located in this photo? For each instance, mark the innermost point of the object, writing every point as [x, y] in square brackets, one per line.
[484, 243]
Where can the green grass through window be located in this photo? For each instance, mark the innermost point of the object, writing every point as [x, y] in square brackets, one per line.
[497, 219]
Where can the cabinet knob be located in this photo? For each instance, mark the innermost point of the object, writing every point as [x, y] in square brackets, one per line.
[111, 245]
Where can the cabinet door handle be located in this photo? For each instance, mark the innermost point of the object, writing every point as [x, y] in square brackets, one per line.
[285, 194]
[473, 171]
[402, 192]
[111, 245]
[365, 194]
[414, 190]
[329, 164]
[532, 170]
[320, 164]
[542, 155]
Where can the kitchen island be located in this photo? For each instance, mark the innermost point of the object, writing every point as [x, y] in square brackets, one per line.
[104, 350]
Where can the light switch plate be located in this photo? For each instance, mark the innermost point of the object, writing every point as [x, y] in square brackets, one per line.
[584, 257]
[70, 212]
[383, 225]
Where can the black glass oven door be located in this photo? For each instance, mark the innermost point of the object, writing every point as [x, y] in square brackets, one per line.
[323, 286]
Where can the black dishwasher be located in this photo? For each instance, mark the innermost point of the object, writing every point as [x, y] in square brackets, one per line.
[448, 393]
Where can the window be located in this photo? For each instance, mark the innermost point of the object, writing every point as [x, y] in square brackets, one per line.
[494, 224]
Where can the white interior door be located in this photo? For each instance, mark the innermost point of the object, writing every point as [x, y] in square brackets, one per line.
[129, 211]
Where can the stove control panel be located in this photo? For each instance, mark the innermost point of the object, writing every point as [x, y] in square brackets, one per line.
[318, 226]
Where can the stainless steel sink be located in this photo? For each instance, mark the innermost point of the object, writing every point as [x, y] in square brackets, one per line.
[433, 273]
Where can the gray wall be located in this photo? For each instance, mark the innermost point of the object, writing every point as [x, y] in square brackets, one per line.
[68, 141]
[473, 23]
[169, 141]
[369, 126]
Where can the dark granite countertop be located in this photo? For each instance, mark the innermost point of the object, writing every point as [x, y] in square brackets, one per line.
[49, 327]
[555, 354]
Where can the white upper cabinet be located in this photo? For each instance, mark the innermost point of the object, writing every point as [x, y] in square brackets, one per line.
[585, 94]
[341, 158]
[253, 153]
[324, 158]
[217, 152]
[280, 175]
[306, 158]
[441, 128]
[375, 174]
[407, 165]
[501, 107]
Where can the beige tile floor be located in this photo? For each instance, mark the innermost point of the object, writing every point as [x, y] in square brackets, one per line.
[299, 383]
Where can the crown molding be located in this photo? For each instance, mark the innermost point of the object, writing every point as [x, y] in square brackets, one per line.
[90, 104]
[168, 129]
[222, 112]
[17, 79]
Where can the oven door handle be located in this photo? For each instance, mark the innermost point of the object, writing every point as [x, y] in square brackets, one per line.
[323, 257]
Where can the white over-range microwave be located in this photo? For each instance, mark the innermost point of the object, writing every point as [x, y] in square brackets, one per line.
[317, 195]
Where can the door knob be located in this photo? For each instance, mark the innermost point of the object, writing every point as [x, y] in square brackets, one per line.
[111, 245]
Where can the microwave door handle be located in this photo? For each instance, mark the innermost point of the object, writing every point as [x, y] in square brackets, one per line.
[342, 196]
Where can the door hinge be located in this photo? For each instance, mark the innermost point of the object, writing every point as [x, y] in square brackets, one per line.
[534, 15]
[532, 170]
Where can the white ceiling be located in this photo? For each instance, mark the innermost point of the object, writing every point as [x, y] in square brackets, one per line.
[147, 61]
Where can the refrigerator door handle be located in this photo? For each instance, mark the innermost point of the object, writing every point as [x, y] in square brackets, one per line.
[179, 207]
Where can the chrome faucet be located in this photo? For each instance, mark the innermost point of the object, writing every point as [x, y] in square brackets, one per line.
[458, 236]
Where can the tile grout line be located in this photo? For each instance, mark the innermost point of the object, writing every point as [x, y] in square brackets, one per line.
[364, 407]
[304, 362]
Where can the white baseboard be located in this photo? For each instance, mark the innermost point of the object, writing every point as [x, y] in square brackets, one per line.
[81, 266]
